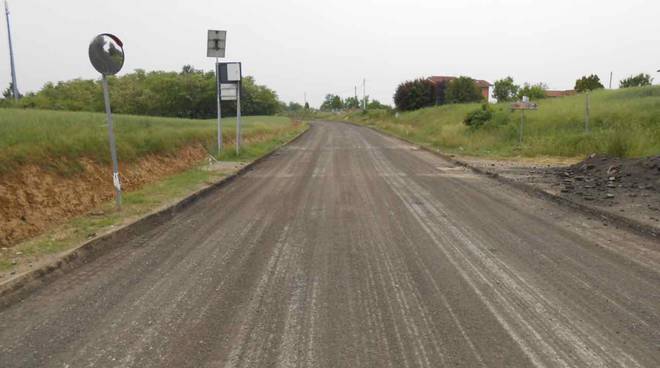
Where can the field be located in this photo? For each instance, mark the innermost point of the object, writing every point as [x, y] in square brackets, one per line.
[624, 123]
[57, 139]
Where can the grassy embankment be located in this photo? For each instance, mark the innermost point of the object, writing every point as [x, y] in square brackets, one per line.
[623, 123]
[56, 140]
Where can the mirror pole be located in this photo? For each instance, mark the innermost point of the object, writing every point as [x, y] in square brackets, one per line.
[113, 147]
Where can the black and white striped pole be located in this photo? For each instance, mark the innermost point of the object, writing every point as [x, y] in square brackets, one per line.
[106, 52]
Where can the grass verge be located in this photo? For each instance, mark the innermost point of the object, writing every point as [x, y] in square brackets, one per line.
[623, 123]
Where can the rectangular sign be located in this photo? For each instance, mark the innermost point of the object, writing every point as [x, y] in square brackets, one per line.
[216, 44]
[229, 72]
[228, 91]
[522, 105]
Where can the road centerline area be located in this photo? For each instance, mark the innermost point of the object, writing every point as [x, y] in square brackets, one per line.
[348, 248]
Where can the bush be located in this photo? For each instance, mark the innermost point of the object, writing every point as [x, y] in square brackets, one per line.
[479, 117]
[639, 80]
[413, 95]
[462, 90]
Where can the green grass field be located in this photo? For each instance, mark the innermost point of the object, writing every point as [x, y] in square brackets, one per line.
[43, 137]
[623, 123]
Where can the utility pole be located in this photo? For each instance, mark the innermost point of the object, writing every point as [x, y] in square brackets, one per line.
[356, 98]
[611, 74]
[11, 56]
[364, 93]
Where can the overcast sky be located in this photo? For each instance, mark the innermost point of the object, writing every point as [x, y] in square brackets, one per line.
[320, 47]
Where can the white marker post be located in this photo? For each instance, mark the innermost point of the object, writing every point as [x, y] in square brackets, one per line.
[216, 43]
[106, 53]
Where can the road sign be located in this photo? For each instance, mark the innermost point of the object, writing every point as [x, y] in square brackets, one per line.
[229, 72]
[216, 44]
[524, 105]
[228, 91]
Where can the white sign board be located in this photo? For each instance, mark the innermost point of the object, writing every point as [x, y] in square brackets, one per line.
[216, 44]
[233, 72]
[228, 91]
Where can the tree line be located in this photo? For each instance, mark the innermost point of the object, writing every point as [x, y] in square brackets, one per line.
[422, 92]
[190, 93]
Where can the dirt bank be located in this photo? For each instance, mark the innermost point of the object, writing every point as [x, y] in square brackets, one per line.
[35, 198]
[626, 187]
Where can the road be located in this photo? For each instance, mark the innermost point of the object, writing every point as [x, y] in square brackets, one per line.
[351, 249]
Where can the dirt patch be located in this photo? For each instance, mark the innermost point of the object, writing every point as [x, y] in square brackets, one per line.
[34, 199]
[626, 187]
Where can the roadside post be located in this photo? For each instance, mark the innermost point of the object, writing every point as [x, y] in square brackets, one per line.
[522, 106]
[587, 114]
[215, 48]
[106, 52]
[230, 77]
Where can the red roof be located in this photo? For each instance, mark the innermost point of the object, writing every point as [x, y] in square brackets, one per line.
[441, 79]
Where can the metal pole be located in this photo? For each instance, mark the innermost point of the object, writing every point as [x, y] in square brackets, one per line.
[113, 148]
[238, 118]
[219, 97]
[587, 113]
[522, 122]
[364, 93]
[11, 56]
[611, 74]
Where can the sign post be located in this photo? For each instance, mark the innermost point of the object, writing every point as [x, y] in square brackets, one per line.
[106, 53]
[522, 106]
[230, 76]
[216, 48]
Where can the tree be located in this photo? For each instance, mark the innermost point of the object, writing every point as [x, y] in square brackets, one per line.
[415, 94]
[588, 83]
[352, 103]
[332, 103]
[462, 90]
[376, 105]
[533, 91]
[639, 80]
[505, 90]
[306, 105]
[294, 107]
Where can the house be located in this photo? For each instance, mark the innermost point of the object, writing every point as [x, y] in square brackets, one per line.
[570, 92]
[440, 83]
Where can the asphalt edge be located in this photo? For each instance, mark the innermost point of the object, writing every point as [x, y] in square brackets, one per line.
[623, 222]
[16, 288]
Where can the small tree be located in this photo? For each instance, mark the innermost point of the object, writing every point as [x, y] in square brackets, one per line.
[331, 103]
[505, 90]
[413, 95]
[352, 103]
[462, 90]
[533, 91]
[639, 80]
[588, 83]
[306, 105]
[376, 105]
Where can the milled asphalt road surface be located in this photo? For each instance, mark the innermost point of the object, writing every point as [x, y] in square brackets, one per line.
[351, 249]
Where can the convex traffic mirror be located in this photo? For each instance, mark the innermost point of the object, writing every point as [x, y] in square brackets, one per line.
[106, 52]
